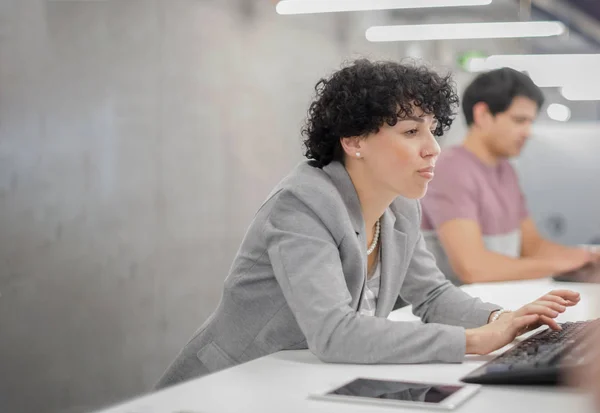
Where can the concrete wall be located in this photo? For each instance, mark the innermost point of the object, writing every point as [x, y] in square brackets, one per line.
[137, 139]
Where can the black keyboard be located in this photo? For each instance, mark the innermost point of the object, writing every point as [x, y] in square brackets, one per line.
[540, 359]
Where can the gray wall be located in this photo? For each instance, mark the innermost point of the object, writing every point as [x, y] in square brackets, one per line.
[559, 171]
[137, 139]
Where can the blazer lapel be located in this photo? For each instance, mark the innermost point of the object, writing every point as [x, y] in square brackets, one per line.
[393, 240]
[342, 181]
[340, 178]
[393, 253]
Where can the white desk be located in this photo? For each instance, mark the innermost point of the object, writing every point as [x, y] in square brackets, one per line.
[282, 382]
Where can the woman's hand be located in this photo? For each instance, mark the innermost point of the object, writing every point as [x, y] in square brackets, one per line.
[508, 326]
[548, 307]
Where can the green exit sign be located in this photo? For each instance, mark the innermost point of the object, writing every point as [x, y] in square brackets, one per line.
[464, 58]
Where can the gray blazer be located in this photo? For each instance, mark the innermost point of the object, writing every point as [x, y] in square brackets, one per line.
[299, 275]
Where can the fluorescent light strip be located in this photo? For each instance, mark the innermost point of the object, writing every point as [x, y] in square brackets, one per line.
[581, 91]
[496, 30]
[546, 70]
[329, 6]
[541, 61]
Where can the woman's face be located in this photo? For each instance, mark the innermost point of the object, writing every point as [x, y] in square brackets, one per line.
[400, 158]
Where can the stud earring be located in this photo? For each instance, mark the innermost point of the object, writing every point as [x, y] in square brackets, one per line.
[358, 154]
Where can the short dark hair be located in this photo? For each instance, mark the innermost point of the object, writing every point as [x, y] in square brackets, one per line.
[498, 88]
[359, 98]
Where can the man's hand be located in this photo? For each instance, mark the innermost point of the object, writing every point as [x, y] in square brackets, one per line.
[508, 326]
[573, 259]
[595, 251]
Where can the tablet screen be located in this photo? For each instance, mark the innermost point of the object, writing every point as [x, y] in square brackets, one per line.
[396, 390]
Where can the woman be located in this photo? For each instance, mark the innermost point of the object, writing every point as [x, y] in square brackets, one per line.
[338, 241]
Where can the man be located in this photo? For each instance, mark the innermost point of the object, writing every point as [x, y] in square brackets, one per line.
[475, 219]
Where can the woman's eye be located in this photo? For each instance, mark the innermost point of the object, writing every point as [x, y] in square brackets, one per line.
[433, 131]
[411, 132]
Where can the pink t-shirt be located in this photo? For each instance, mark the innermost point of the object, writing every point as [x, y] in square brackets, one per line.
[466, 188]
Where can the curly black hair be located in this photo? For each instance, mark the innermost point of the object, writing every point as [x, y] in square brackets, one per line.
[359, 98]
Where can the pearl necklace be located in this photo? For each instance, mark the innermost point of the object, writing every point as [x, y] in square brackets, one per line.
[375, 239]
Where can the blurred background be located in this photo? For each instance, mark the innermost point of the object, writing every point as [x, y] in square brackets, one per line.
[138, 138]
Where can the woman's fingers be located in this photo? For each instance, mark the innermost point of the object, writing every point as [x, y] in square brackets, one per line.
[548, 307]
[521, 323]
[554, 298]
[555, 306]
[540, 310]
[568, 295]
[550, 323]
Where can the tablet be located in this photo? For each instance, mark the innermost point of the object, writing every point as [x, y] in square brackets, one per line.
[401, 393]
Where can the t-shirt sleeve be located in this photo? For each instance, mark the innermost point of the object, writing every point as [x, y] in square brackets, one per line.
[452, 194]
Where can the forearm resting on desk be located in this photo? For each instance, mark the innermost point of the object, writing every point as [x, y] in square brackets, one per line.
[535, 246]
[472, 342]
[472, 262]
[488, 266]
[547, 249]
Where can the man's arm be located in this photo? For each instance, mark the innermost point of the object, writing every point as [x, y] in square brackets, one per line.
[473, 262]
[534, 245]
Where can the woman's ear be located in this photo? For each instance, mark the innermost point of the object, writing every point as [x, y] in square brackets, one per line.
[352, 147]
